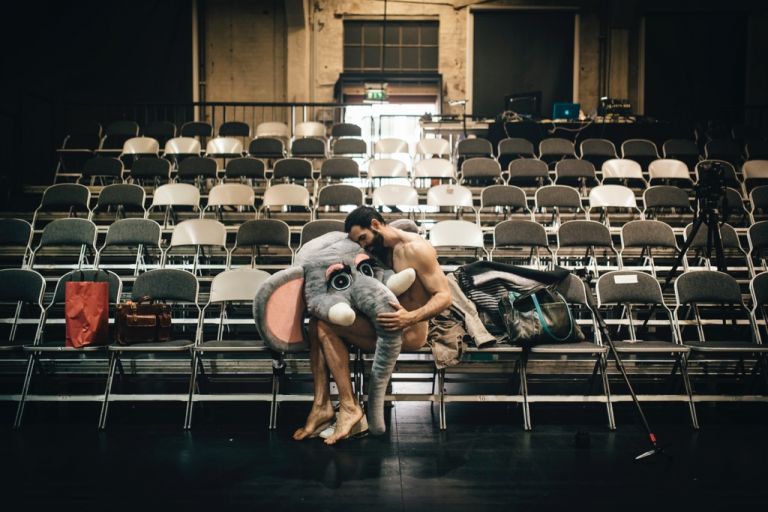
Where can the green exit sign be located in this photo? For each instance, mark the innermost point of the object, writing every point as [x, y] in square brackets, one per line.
[375, 93]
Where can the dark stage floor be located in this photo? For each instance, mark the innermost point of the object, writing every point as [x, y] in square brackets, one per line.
[485, 461]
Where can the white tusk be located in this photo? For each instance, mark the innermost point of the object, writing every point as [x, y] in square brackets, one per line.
[401, 281]
[341, 314]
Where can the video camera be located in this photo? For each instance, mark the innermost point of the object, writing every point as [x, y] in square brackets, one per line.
[710, 189]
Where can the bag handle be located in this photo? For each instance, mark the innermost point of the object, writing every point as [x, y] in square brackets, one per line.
[544, 325]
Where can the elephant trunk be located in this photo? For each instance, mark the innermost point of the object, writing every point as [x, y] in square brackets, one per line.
[372, 300]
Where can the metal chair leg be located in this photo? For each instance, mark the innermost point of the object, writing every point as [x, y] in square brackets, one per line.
[113, 360]
[441, 384]
[24, 390]
[277, 371]
[190, 397]
[524, 389]
[607, 393]
[689, 390]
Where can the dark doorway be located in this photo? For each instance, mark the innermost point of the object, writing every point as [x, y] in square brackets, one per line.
[518, 51]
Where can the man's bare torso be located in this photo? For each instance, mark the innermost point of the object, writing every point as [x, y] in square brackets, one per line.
[416, 296]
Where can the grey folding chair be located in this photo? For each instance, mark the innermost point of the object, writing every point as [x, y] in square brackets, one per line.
[64, 197]
[231, 296]
[731, 246]
[15, 240]
[245, 170]
[528, 172]
[597, 151]
[511, 236]
[590, 236]
[335, 200]
[502, 199]
[480, 171]
[267, 240]
[577, 173]
[338, 169]
[316, 228]
[757, 236]
[77, 234]
[180, 288]
[643, 241]
[555, 149]
[512, 148]
[708, 301]
[143, 234]
[667, 203]
[574, 292]
[627, 291]
[102, 169]
[684, 150]
[642, 151]
[120, 199]
[50, 345]
[21, 311]
[559, 200]
[151, 171]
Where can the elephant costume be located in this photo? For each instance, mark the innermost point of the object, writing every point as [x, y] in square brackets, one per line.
[331, 278]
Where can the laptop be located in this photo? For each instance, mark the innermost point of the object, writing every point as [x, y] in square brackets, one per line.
[565, 110]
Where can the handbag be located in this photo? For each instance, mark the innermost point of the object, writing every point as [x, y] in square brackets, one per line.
[541, 315]
[86, 312]
[142, 321]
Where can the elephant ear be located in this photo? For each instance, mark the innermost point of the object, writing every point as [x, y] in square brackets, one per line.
[279, 311]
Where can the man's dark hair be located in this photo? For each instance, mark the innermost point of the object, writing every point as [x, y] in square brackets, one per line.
[362, 216]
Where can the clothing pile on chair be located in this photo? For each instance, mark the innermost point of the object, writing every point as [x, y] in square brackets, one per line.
[474, 315]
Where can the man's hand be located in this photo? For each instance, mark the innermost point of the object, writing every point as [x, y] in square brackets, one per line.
[397, 320]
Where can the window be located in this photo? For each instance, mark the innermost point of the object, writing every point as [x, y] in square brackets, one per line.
[408, 46]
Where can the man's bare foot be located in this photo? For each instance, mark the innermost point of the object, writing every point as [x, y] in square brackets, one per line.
[319, 416]
[349, 416]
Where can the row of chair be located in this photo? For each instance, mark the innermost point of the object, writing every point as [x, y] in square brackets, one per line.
[642, 241]
[689, 333]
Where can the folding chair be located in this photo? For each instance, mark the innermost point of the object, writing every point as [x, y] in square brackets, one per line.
[555, 149]
[198, 234]
[597, 151]
[578, 173]
[266, 239]
[431, 170]
[480, 171]
[448, 235]
[607, 197]
[642, 151]
[757, 236]
[115, 136]
[398, 198]
[667, 203]
[528, 172]
[178, 149]
[224, 147]
[103, 169]
[712, 299]
[231, 290]
[558, 198]
[198, 129]
[641, 238]
[234, 129]
[723, 149]
[631, 290]
[339, 169]
[590, 236]
[624, 171]
[181, 289]
[574, 292]
[316, 228]
[390, 169]
[79, 234]
[335, 200]
[667, 171]
[510, 236]
[21, 312]
[153, 170]
[285, 196]
[173, 196]
[505, 200]
[293, 170]
[268, 148]
[433, 148]
[512, 148]
[161, 131]
[15, 241]
[228, 196]
[455, 198]
[472, 148]
[245, 170]
[51, 345]
[119, 198]
[684, 150]
[197, 169]
[731, 246]
[755, 173]
[143, 234]
[139, 147]
[758, 200]
[64, 197]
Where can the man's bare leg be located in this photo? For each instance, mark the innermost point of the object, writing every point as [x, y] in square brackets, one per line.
[337, 357]
[322, 410]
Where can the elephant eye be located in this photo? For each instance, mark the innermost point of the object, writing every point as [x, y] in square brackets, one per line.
[365, 268]
[341, 280]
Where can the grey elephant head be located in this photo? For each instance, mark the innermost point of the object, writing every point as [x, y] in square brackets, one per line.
[333, 279]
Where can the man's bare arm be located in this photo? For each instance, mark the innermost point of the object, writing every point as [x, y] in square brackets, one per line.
[423, 259]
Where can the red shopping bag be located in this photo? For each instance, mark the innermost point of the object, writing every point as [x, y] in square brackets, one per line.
[86, 313]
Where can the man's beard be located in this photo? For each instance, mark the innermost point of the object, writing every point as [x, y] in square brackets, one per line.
[377, 248]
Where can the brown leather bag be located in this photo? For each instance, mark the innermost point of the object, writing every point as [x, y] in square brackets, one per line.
[142, 322]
